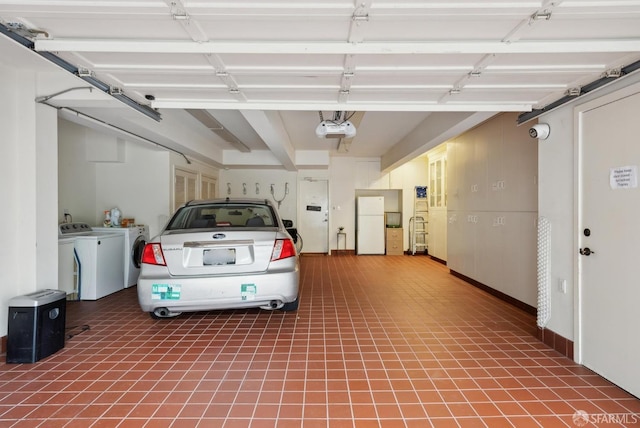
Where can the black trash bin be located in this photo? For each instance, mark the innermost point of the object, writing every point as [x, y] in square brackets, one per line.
[36, 325]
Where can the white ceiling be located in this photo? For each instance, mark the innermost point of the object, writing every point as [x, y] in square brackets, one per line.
[265, 69]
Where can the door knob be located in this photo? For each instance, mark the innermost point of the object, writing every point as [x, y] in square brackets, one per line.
[586, 251]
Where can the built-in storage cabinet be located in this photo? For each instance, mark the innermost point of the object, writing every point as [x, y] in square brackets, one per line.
[497, 249]
[208, 187]
[394, 241]
[438, 199]
[493, 167]
[438, 233]
[185, 187]
[492, 207]
[368, 176]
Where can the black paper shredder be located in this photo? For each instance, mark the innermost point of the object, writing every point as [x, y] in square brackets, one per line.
[36, 326]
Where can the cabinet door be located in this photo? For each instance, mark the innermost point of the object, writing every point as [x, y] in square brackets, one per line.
[498, 156]
[438, 233]
[185, 187]
[208, 187]
[521, 169]
[479, 169]
[468, 245]
[523, 272]
[455, 240]
[488, 245]
[368, 176]
[453, 177]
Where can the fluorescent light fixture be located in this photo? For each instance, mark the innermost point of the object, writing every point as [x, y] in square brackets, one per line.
[416, 68]
[518, 86]
[400, 87]
[538, 67]
[252, 86]
[176, 85]
[260, 68]
[154, 67]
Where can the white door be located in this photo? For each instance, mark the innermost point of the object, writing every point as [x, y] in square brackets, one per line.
[313, 224]
[609, 239]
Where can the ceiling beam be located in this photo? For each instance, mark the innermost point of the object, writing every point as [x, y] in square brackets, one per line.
[270, 127]
[433, 131]
[350, 106]
[341, 48]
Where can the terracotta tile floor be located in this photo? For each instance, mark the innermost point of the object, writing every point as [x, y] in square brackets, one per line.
[377, 342]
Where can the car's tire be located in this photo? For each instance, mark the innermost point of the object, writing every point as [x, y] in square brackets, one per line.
[291, 306]
[163, 313]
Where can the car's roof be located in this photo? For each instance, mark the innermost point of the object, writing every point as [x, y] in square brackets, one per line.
[229, 201]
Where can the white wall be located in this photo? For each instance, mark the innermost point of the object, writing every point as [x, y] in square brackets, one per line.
[138, 187]
[28, 254]
[556, 199]
[264, 178]
[76, 176]
[346, 181]
[46, 173]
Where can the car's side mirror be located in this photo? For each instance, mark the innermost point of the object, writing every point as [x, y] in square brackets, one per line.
[287, 223]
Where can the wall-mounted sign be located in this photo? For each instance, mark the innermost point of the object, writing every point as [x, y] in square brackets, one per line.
[624, 177]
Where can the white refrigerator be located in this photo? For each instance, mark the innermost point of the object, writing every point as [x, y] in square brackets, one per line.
[370, 225]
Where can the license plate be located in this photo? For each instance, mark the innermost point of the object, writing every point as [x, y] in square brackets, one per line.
[219, 257]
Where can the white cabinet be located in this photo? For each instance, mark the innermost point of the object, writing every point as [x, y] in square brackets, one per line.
[520, 167]
[185, 187]
[368, 176]
[208, 187]
[497, 249]
[492, 207]
[438, 233]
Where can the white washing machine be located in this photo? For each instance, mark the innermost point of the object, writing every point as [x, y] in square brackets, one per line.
[100, 260]
[135, 238]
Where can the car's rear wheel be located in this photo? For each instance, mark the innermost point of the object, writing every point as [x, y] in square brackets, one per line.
[291, 306]
[162, 313]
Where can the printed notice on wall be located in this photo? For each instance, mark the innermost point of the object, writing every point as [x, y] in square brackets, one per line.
[624, 177]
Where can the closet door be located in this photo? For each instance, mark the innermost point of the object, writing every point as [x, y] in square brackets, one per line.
[185, 187]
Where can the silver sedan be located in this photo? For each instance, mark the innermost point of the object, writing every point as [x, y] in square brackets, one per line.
[220, 254]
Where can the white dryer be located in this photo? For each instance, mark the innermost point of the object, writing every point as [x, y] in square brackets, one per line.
[100, 260]
[135, 238]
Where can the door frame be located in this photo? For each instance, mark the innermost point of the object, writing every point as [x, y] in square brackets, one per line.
[578, 140]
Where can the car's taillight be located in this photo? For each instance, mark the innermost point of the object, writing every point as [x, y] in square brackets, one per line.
[282, 249]
[152, 254]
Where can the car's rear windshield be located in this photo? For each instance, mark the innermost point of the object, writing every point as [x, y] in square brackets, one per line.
[223, 215]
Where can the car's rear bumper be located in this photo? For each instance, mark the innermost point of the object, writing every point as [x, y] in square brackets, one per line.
[188, 294]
